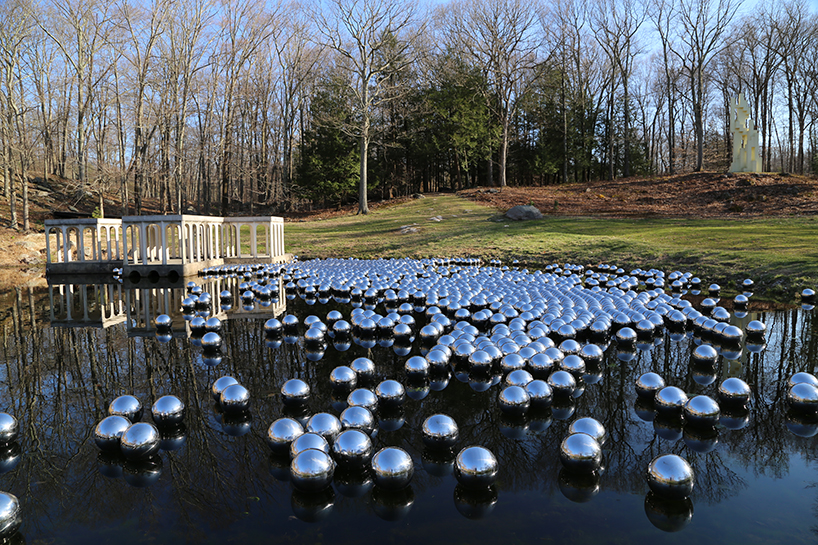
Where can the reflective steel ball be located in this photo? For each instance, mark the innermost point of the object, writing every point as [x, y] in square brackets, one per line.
[358, 418]
[213, 324]
[803, 397]
[416, 366]
[353, 447]
[589, 426]
[734, 391]
[514, 400]
[324, 424]
[755, 329]
[235, 398]
[220, 384]
[562, 383]
[108, 432]
[363, 367]
[163, 321]
[580, 452]
[539, 392]
[540, 365]
[295, 392]
[343, 378]
[648, 384]
[439, 432]
[798, 378]
[308, 441]
[140, 441]
[211, 341]
[10, 514]
[282, 433]
[670, 476]
[475, 467]
[312, 470]
[363, 398]
[702, 410]
[127, 406]
[670, 400]
[392, 468]
[519, 377]
[391, 393]
[168, 411]
[573, 364]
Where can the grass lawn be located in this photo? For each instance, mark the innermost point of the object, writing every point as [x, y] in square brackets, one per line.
[779, 254]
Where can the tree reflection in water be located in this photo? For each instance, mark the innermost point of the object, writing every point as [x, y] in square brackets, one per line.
[58, 378]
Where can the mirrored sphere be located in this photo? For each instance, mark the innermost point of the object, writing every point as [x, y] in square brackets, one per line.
[514, 400]
[295, 392]
[140, 441]
[390, 393]
[702, 410]
[440, 432]
[798, 378]
[476, 467]
[670, 400]
[282, 433]
[312, 470]
[168, 411]
[562, 383]
[163, 321]
[308, 441]
[10, 514]
[211, 340]
[363, 367]
[220, 384]
[670, 476]
[392, 468]
[353, 447]
[324, 424]
[108, 432]
[127, 406]
[9, 428]
[580, 452]
[416, 366]
[343, 378]
[539, 392]
[648, 384]
[589, 426]
[734, 391]
[803, 397]
[363, 398]
[359, 418]
[705, 355]
[235, 398]
[573, 364]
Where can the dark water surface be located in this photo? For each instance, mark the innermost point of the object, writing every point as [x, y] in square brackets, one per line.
[58, 373]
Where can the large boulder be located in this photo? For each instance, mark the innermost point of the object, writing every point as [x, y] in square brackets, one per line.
[524, 212]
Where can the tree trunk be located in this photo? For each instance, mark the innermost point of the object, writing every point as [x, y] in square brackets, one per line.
[363, 205]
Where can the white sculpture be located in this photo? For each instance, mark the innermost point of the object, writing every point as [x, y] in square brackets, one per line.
[745, 138]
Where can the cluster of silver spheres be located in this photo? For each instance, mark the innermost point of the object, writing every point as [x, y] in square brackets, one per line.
[538, 336]
[122, 433]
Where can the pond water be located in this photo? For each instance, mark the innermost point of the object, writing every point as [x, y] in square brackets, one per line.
[70, 349]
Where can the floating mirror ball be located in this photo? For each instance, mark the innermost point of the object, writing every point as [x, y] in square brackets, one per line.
[439, 431]
[475, 468]
[168, 411]
[670, 476]
[127, 406]
[358, 418]
[701, 410]
[581, 453]
[108, 432]
[220, 384]
[363, 398]
[10, 514]
[324, 424]
[392, 468]
[343, 378]
[9, 429]
[734, 392]
[803, 397]
[234, 399]
[648, 384]
[352, 447]
[514, 400]
[670, 400]
[589, 426]
[307, 441]
[282, 433]
[140, 441]
[312, 470]
[295, 392]
[390, 393]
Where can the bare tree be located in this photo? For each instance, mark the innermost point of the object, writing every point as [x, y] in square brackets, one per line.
[374, 41]
[700, 26]
[502, 37]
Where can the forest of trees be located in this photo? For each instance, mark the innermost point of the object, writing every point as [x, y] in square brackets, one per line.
[269, 106]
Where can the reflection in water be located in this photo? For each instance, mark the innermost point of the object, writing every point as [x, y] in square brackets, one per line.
[69, 351]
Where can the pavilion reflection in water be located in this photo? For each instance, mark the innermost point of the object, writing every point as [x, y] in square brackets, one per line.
[102, 305]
